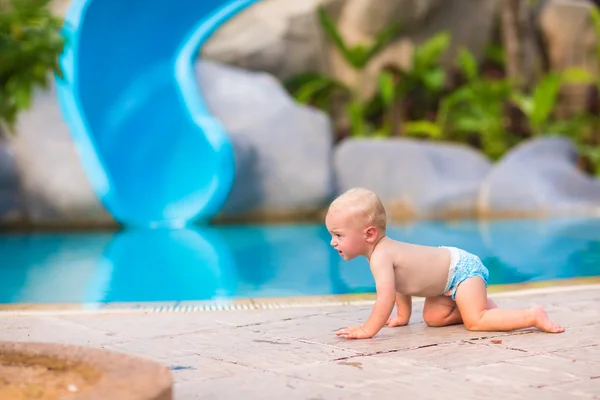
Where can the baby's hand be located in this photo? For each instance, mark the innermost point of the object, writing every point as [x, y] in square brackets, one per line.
[396, 320]
[357, 332]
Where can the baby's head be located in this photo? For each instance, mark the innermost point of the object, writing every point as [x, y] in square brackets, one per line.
[356, 221]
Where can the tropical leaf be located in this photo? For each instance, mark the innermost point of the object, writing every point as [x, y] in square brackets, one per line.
[467, 63]
[429, 53]
[422, 128]
[387, 88]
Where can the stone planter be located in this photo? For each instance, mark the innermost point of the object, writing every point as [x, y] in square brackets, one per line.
[48, 371]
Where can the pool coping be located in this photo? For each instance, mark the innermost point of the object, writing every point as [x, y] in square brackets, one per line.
[247, 304]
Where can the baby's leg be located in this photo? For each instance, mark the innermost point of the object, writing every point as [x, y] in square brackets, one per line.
[442, 311]
[471, 298]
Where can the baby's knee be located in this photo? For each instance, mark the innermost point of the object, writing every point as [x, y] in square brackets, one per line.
[434, 319]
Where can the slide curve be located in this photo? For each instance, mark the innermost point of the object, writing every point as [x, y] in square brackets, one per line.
[150, 148]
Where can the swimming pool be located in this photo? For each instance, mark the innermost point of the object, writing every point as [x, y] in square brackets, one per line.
[262, 261]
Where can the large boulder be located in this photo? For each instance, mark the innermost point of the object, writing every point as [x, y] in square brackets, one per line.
[568, 33]
[282, 149]
[282, 38]
[10, 210]
[539, 177]
[54, 187]
[413, 178]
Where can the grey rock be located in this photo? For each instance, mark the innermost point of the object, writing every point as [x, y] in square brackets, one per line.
[9, 185]
[413, 178]
[567, 30]
[539, 176]
[370, 17]
[282, 38]
[54, 186]
[282, 149]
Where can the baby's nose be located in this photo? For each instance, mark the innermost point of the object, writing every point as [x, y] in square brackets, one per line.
[332, 243]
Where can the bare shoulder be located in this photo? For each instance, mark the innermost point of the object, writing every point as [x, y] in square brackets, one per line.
[384, 252]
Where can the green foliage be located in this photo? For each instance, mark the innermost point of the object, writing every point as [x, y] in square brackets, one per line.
[30, 43]
[423, 82]
[474, 109]
[360, 55]
[482, 108]
[315, 89]
[321, 91]
[427, 71]
[538, 106]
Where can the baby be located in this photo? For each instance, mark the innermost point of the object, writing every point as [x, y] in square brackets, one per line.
[453, 281]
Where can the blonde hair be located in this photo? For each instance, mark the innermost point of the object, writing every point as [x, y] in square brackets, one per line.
[363, 203]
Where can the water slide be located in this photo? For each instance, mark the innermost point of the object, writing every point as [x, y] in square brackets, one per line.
[150, 148]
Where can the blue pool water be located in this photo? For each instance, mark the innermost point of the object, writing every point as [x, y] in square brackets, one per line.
[267, 261]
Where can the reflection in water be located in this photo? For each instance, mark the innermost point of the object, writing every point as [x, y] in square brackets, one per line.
[267, 261]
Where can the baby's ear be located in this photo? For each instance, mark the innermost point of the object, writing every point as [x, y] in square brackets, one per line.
[370, 234]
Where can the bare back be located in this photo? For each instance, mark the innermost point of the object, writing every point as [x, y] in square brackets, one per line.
[420, 271]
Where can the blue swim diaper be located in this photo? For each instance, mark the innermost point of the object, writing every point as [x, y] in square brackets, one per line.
[463, 265]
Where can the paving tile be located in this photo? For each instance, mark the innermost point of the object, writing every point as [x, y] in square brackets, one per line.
[589, 389]
[52, 329]
[143, 326]
[517, 375]
[403, 338]
[581, 354]
[454, 355]
[540, 342]
[259, 317]
[198, 368]
[462, 386]
[361, 372]
[314, 327]
[554, 364]
[242, 347]
[261, 386]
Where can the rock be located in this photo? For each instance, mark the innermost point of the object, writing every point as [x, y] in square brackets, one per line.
[9, 185]
[60, 7]
[283, 149]
[539, 177]
[282, 38]
[54, 186]
[97, 373]
[568, 33]
[370, 17]
[413, 178]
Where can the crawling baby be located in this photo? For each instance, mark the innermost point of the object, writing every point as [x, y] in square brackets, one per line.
[453, 281]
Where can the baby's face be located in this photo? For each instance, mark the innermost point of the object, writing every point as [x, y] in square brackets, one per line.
[347, 237]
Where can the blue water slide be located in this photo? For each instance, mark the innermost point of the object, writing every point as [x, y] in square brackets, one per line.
[150, 148]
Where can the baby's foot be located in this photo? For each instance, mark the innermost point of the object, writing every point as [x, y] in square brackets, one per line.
[542, 322]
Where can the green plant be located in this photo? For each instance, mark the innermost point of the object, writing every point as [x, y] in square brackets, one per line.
[427, 72]
[359, 55]
[30, 43]
[473, 110]
[422, 83]
[538, 106]
[321, 91]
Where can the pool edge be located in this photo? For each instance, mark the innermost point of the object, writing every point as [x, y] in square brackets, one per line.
[249, 304]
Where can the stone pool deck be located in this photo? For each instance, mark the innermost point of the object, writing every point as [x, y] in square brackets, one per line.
[292, 353]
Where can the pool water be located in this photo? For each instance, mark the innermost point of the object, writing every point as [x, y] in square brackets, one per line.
[260, 261]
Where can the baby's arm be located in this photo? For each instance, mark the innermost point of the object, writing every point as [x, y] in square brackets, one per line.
[383, 273]
[404, 311]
